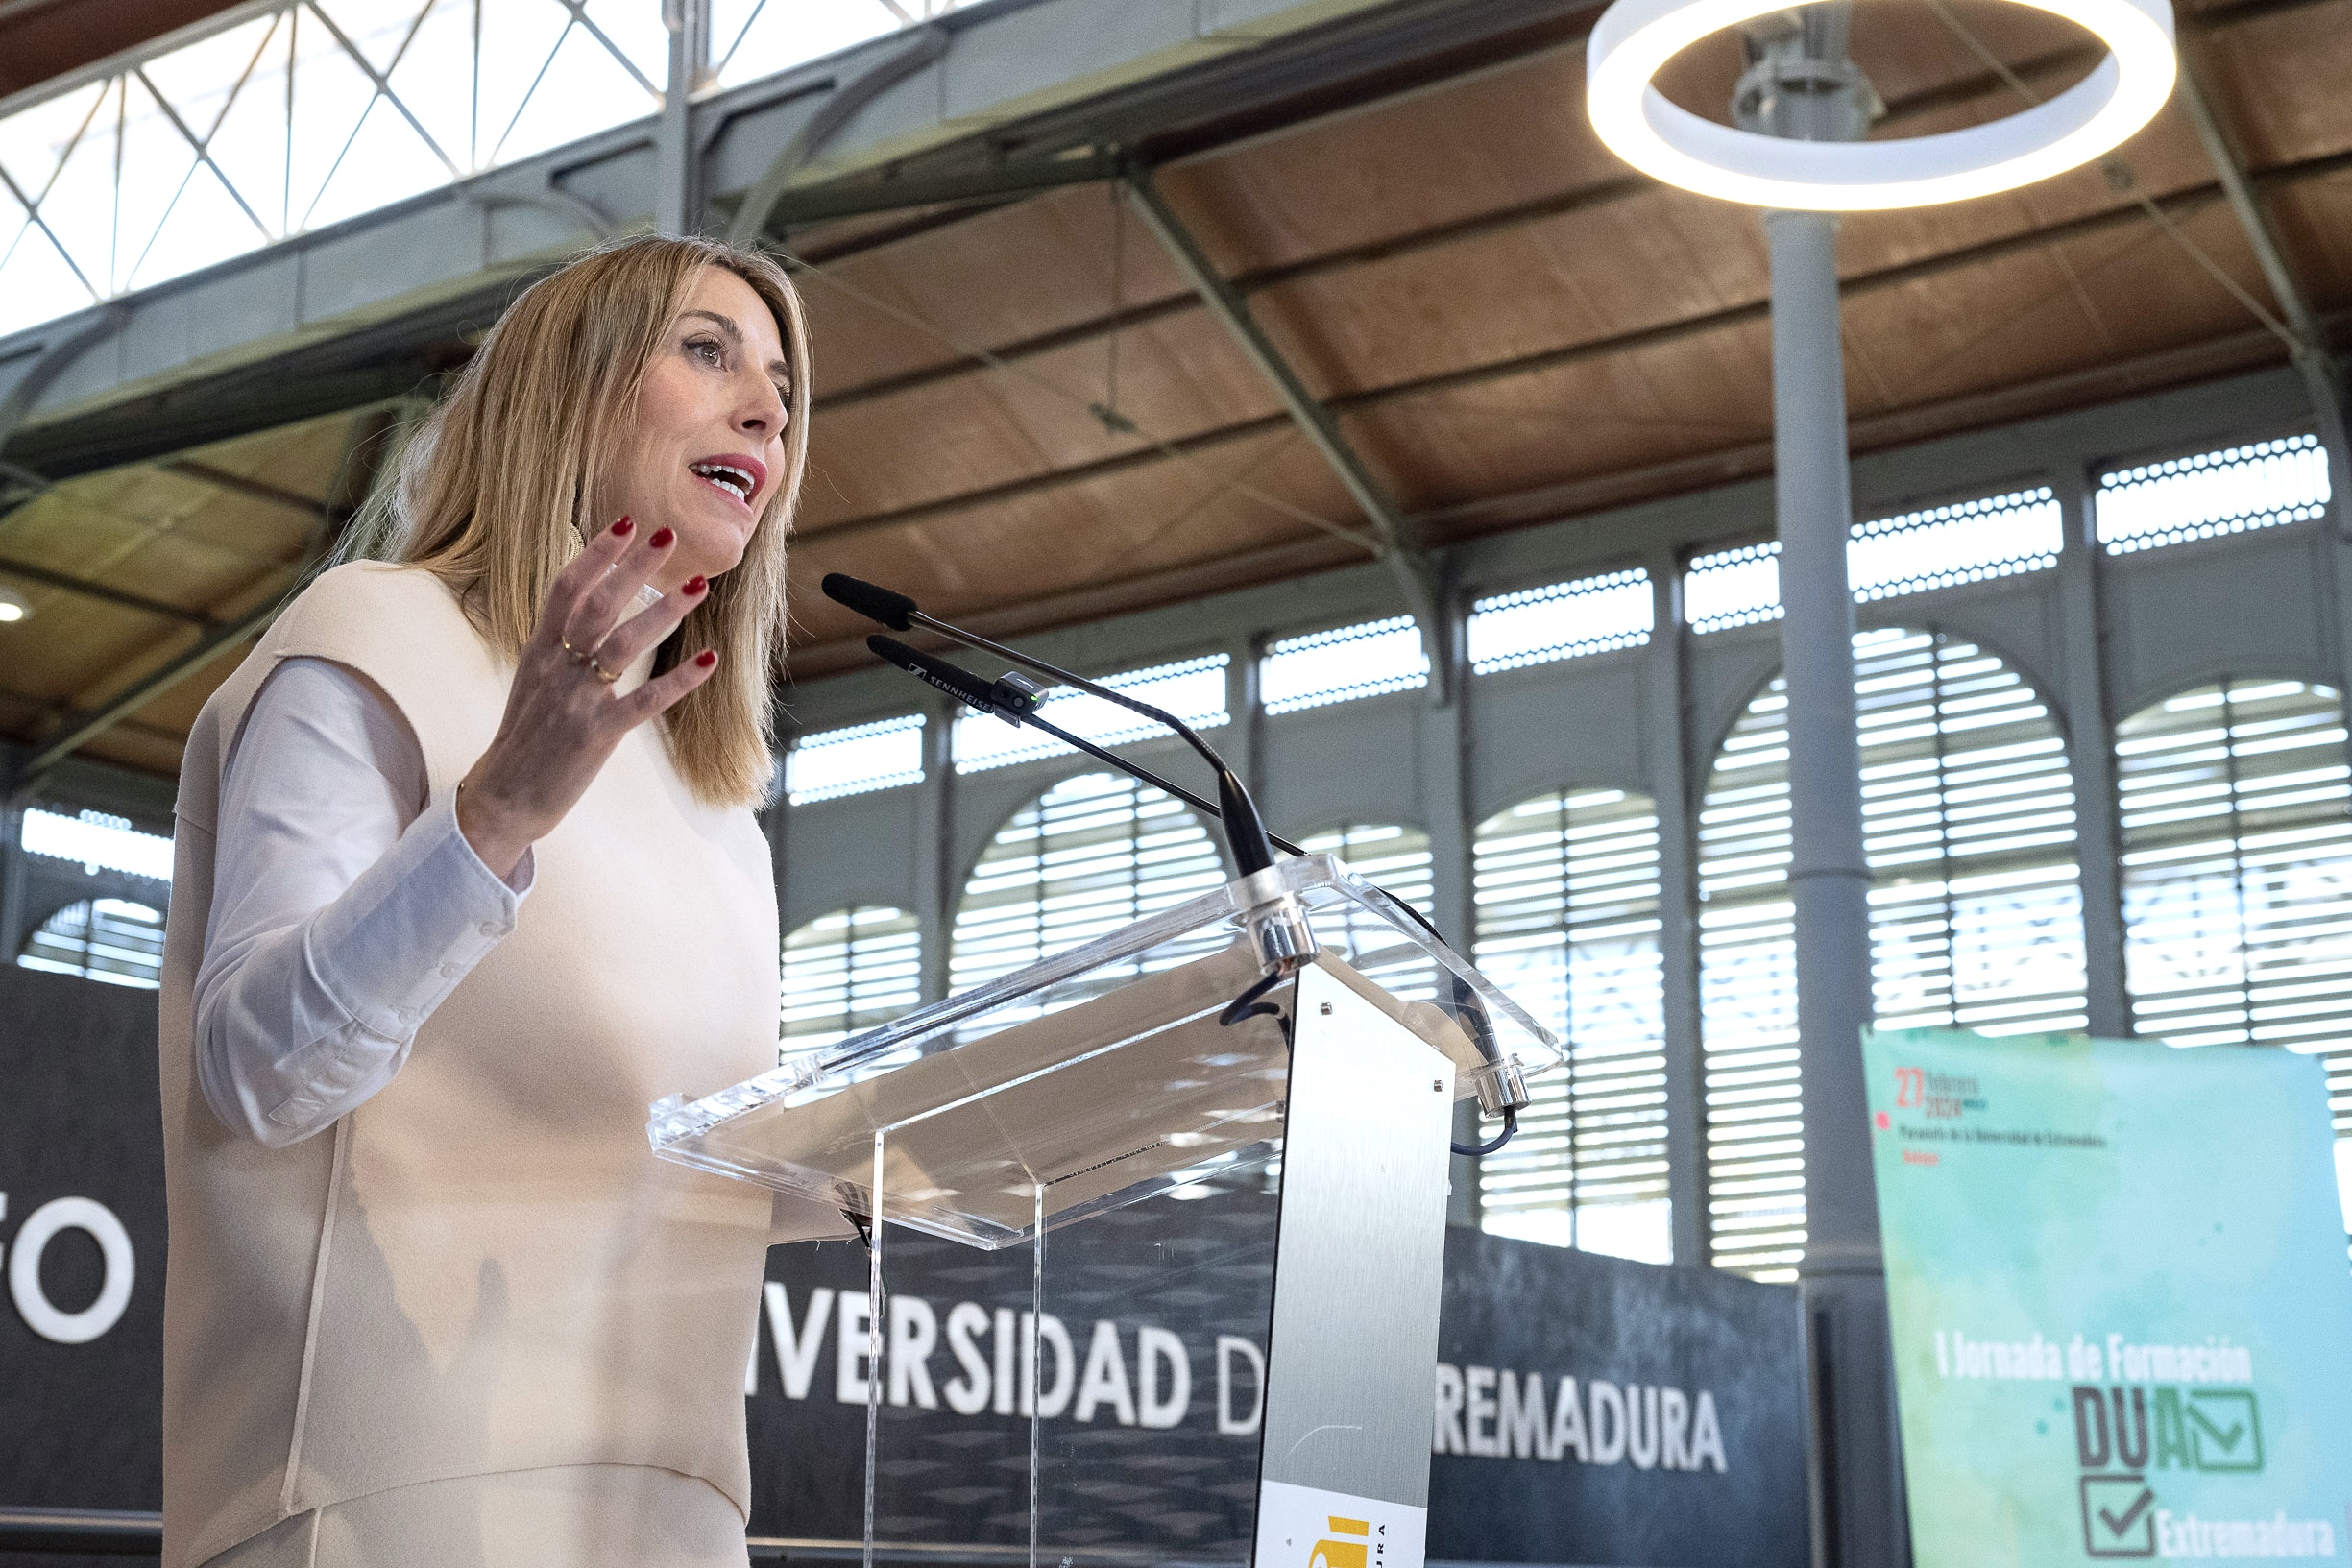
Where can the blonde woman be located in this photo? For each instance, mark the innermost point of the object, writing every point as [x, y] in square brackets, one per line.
[467, 876]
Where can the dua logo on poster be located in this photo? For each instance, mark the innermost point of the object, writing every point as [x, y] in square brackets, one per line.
[2193, 1428]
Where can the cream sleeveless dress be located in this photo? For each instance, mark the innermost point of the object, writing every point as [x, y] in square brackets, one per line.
[477, 1322]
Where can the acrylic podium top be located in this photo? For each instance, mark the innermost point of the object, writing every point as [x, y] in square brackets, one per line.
[1092, 1078]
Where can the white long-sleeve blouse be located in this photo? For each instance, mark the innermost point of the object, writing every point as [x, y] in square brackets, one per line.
[346, 906]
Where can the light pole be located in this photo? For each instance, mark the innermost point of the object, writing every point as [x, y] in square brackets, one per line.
[1800, 85]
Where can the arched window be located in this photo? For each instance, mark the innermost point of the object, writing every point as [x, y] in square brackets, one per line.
[1566, 894]
[1975, 904]
[2236, 829]
[852, 970]
[1084, 858]
[113, 940]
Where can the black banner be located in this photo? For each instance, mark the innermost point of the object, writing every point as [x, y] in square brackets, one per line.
[1585, 1409]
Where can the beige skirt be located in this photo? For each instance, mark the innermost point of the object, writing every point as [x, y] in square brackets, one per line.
[585, 1516]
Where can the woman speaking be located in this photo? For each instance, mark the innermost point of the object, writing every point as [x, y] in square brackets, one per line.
[466, 877]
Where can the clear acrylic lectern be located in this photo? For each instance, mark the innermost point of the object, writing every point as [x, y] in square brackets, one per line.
[1241, 1378]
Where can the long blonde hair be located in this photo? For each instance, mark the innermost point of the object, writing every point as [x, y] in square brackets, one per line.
[495, 492]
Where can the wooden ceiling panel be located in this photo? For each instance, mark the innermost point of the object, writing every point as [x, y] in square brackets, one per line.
[135, 745]
[1658, 257]
[1070, 535]
[217, 531]
[1175, 377]
[2037, 313]
[2162, 160]
[2314, 224]
[2280, 80]
[1003, 276]
[1630, 410]
[1487, 142]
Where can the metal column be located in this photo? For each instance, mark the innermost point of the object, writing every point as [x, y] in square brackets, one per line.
[1666, 744]
[677, 198]
[2090, 737]
[936, 888]
[1801, 84]
[1829, 880]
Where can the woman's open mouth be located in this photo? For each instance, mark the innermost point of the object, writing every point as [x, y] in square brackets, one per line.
[730, 476]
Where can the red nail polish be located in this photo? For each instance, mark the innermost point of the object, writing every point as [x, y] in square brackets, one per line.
[707, 658]
[660, 539]
[620, 529]
[695, 584]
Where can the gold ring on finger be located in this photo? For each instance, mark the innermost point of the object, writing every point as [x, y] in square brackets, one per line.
[607, 676]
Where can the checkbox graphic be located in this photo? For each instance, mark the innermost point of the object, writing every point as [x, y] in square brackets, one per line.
[2224, 1430]
[2119, 1517]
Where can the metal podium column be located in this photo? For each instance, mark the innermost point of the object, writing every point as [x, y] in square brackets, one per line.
[1358, 1263]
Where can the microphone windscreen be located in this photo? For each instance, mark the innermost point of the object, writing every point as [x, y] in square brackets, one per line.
[895, 611]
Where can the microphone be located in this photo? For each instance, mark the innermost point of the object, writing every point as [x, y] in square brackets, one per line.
[1245, 833]
[874, 602]
[1016, 706]
[1000, 698]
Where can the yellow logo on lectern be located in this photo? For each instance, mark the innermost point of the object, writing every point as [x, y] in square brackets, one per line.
[1356, 1554]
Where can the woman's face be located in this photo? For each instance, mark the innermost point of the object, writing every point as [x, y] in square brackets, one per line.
[707, 449]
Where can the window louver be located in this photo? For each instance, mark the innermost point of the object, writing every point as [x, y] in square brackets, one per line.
[849, 970]
[1090, 855]
[112, 940]
[1566, 893]
[829, 764]
[1343, 664]
[1395, 859]
[96, 840]
[1193, 690]
[2237, 872]
[1561, 620]
[1886, 558]
[1975, 904]
[2208, 495]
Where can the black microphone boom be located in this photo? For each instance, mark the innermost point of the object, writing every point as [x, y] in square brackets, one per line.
[1007, 702]
[1245, 833]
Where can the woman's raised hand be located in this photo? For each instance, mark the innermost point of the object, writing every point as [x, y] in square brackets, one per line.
[563, 716]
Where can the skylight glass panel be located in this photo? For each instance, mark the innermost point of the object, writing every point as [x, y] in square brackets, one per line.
[2232, 491]
[285, 118]
[1193, 690]
[829, 764]
[753, 38]
[1561, 620]
[1343, 664]
[1732, 588]
[1943, 546]
[96, 842]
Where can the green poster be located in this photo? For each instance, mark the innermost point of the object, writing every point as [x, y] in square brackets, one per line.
[2122, 1315]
